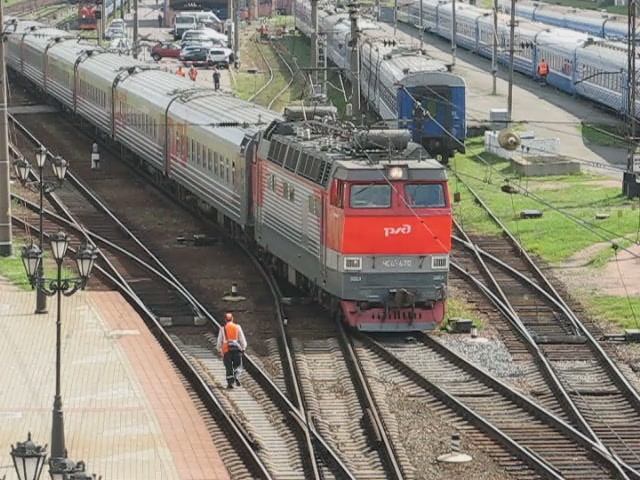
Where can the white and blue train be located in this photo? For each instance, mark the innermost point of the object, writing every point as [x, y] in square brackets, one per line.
[579, 64]
[396, 78]
[599, 24]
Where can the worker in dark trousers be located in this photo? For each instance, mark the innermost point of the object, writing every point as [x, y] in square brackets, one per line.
[216, 78]
[159, 20]
[231, 344]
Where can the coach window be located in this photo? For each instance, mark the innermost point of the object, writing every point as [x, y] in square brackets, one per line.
[226, 171]
[209, 161]
[429, 195]
[215, 163]
[370, 196]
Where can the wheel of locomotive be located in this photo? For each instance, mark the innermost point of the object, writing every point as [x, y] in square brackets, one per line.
[156, 57]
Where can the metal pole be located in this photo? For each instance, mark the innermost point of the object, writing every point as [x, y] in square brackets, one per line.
[314, 42]
[103, 17]
[236, 32]
[421, 26]
[512, 28]
[395, 17]
[494, 53]
[377, 10]
[629, 185]
[58, 449]
[5, 202]
[41, 298]
[454, 29]
[355, 63]
[135, 29]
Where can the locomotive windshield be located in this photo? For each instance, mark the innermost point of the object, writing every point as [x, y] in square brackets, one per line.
[374, 195]
[425, 195]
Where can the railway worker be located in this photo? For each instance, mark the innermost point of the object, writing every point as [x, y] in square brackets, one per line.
[159, 18]
[543, 71]
[193, 73]
[180, 71]
[231, 344]
[216, 78]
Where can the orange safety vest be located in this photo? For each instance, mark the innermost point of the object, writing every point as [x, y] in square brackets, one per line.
[193, 73]
[231, 333]
[543, 68]
[180, 72]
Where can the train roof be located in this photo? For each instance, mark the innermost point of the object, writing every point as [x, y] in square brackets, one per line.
[222, 114]
[350, 153]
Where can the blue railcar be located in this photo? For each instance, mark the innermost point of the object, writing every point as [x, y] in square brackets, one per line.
[579, 63]
[401, 84]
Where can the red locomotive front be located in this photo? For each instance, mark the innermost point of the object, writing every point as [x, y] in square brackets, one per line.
[361, 219]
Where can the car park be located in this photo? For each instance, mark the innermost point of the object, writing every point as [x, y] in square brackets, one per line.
[165, 50]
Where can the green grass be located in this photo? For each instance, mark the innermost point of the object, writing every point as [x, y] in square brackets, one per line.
[619, 310]
[554, 237]
[12, 269]
[603, 135]
[456, 308]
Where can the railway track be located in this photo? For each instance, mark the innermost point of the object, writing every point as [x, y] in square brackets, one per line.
[269, 427]
[542, 441]
[592, 391]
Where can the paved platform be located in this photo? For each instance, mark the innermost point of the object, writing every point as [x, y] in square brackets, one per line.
[127, 415]
[547, 111]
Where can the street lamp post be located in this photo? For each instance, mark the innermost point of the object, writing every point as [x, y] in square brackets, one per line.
[28, 459]
[32, 258]
[23, 171]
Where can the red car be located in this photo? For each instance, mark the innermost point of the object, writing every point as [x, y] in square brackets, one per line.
[165, 50]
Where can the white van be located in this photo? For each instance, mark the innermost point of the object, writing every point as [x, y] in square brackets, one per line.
[183, 22]
[209, 19]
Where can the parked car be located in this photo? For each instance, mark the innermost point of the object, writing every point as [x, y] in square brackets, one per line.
[196, 54]
[165, 50]
[219, 56]
[114, 32]
[117, 29]
[204, 35]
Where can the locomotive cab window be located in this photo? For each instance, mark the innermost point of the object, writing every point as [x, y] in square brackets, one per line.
[424, 195]
[370, 196]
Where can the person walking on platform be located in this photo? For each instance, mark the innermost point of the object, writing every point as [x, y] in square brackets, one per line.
[159, 20]
[193, 73]
[543, 71]
[231, 344]
[216, 78]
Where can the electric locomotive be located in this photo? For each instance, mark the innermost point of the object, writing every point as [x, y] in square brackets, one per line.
[401, 84]
[360, 219]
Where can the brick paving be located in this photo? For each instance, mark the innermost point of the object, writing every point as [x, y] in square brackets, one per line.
[127, 413]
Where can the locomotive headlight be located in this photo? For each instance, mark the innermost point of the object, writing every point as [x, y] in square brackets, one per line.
[396, 173]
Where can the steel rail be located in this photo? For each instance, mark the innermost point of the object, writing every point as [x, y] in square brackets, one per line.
[251, 366]
[549, 418]
[271, 76]
[552, 295]
[291, 74]
[548, 371]
[205, 393]
[368, 400]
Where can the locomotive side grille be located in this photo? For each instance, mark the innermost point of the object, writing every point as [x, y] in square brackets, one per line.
[440, 262]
